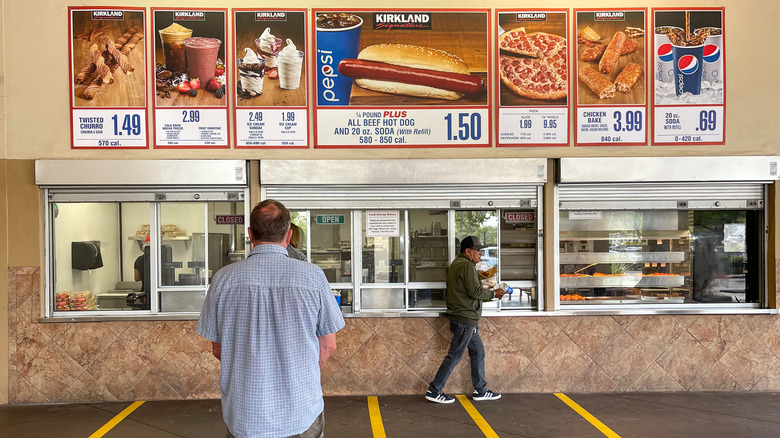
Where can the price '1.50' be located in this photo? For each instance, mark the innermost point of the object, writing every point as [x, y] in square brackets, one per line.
[131, 124]
[469, 126]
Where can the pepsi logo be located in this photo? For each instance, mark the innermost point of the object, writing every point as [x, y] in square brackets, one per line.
[711, 53]
[688, 64]
[664, 52]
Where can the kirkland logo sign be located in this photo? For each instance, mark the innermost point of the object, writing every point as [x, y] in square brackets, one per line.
[415, 21]
[270, 16]
[532, 16]
[189, 15]
[610, 16]
[108, 15]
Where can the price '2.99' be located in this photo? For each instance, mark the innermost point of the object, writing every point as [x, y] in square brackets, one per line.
[131, 124]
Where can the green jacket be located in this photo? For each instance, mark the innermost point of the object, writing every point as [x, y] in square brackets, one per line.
[464, 292]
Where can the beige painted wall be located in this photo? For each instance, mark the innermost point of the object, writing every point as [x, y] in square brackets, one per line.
[38, 119]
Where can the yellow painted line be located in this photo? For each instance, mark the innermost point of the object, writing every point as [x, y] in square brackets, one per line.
[376, 418]
[477, 417]
[114, 421]
[586, 415]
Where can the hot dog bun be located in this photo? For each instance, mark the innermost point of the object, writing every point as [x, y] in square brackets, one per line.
[414, 57]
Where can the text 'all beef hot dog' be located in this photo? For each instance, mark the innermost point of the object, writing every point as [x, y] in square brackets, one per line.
[412, 71]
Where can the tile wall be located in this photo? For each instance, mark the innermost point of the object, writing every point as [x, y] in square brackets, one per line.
[167, 360]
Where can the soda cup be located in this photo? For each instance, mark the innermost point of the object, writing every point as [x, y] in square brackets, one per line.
[687, 69]
[505, 287]
[338, 37]
[712, 68]
[664, 70]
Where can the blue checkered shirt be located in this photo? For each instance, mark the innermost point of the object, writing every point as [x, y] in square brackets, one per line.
[267, 312]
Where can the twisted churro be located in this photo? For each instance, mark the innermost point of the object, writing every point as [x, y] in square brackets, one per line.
[100, 63]
[131, 44]
[119, 57]
[126, 36]
[94, 88]
[85, 72]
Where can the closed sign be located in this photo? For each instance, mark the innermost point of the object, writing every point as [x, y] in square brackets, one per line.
[517, 217]
[230, 219]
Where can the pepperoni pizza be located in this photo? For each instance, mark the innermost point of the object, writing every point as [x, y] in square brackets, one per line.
[540, 72]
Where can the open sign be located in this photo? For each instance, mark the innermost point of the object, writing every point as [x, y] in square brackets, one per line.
[229, 219]
[517, 217]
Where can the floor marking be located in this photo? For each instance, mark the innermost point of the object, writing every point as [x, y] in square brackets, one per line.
[114, 421]
[475, 415]
[586, 415]
[376, 417]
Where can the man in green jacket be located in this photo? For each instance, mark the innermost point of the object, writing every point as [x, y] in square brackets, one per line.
[464, 310]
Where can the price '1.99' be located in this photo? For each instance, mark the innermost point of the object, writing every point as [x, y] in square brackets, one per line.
[469, 127]
[131, 124]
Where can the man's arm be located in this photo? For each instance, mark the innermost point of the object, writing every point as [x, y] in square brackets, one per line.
[327, 346]
[216, 349]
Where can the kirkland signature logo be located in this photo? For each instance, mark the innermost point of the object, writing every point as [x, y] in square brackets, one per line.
[531, 16]
[189, 15]
[418, 20]
[270, 16]
[108, 15]
[610, 16]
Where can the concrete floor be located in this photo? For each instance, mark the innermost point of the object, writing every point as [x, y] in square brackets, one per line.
[686, 415]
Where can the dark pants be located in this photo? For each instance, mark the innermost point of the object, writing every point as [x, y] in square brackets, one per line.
[316, 430]
[463, 336]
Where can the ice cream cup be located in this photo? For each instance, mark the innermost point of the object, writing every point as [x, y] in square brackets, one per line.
[290, 64]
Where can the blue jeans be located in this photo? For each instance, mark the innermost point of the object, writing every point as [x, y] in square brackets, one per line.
[463, 336]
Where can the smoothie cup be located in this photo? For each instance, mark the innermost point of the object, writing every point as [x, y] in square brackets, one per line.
[172, 38]
[202, 56]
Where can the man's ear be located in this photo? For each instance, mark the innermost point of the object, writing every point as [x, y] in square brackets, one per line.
[250, 235]
[287, 237]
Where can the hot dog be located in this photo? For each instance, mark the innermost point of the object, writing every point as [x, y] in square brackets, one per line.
[411, 71]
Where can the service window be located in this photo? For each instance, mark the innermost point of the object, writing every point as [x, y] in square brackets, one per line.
[139, 252]
[428, 258]
[661, 257]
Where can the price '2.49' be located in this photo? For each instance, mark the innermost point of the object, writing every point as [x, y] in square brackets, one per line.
[131, 124]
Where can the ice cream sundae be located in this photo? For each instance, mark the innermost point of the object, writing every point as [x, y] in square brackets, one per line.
[268, 46]
[250, 69]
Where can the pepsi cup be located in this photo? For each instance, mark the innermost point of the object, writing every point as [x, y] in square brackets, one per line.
[664, 70]
[338, 37]
[687, 69]
[712, 68]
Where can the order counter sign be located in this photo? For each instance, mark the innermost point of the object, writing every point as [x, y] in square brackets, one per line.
[107, 78]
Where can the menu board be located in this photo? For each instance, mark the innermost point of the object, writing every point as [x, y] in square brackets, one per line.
[611, 103]
[689, 78]
[533, 77]
[270, 78]
[191, 99]
[401, 78]
[107, 78]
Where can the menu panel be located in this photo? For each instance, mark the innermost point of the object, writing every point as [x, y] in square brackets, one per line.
[191, 101]
[611, 72]
[532, 78]
[689, 77]
[270, 78]
[108, 78]
[390, 78]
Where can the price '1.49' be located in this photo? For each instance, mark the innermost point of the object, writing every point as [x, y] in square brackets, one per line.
[131, 124]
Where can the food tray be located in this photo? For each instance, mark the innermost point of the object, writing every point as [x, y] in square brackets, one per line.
[623, 281]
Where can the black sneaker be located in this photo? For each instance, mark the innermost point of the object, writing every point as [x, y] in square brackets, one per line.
[439, 398]
[485, 395]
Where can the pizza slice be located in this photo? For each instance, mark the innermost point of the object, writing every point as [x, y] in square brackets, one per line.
[533, 78]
